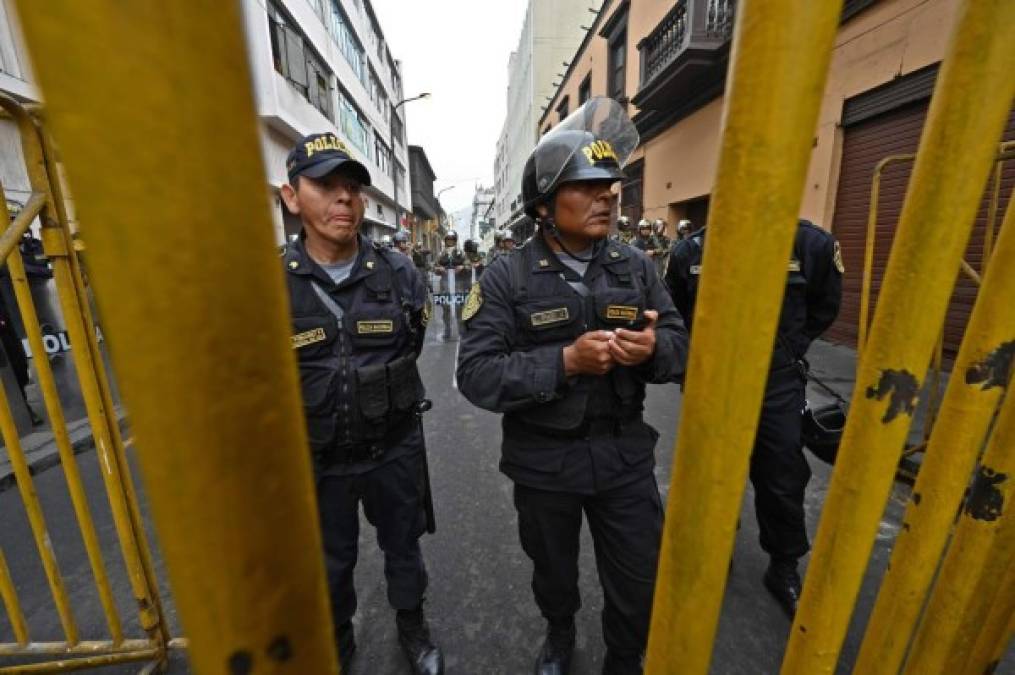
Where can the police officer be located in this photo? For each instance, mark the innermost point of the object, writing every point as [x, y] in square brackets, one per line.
[645, 240]
[401, 240]
[779, 470]
[508, 243]
[662, 241]
[562, 336]
[451, 259]
[683, 230]
[497, 248]
[624, 233]
[359, 315]
[473, 259]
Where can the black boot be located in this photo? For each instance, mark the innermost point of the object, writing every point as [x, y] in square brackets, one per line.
[345, 640]
[414, 635]
[555, 656]
[616, 663]
[783, 582]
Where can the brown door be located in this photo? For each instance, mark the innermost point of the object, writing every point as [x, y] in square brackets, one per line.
[864, 145]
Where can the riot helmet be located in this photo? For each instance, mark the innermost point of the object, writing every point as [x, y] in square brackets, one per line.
[624, 224]
[401, 236]
[498, 237]
[593, 143]
[684, 226]
[643, 224]
[470, 246]
[451, 236]
[659, 226]
[821, 430]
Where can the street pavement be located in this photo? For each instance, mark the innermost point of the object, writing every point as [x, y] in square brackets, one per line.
[479, 602]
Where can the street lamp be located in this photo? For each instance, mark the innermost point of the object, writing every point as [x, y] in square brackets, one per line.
[394, 176]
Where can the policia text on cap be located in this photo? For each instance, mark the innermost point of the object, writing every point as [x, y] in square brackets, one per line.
[359, 315]
[562, 336]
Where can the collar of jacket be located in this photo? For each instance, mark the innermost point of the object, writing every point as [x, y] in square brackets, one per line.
[544, 259]
[299, 262]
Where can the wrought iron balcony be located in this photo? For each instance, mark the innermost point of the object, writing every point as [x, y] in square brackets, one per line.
[684, 53]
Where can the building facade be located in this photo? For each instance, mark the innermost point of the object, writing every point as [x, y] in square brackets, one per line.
[427, 219]
[667, 62]
[480, 227]
[15, 81]
[550, 33]
[324, 65]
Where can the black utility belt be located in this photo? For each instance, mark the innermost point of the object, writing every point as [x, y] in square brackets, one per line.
[373, 450]
[600, 426]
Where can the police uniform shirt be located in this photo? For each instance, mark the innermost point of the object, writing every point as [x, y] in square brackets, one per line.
[383, 301]
[511, 361]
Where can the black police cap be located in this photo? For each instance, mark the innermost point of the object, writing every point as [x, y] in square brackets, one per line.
[317, 155]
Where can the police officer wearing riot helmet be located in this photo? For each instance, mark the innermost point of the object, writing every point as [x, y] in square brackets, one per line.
[497, 248]
[401, 240]
[779, 471]
[473, 258]
[508, 242]
[359, 317]
[562, 337]
[451, 261]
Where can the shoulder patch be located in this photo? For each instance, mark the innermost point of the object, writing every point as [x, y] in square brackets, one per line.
[837, 259]
[473, 302]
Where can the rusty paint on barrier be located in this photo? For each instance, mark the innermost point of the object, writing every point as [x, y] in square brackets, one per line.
[995, 369]
[280, 649]
[985, 501]
[902, 388]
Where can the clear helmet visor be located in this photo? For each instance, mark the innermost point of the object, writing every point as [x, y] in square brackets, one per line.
[600, 130]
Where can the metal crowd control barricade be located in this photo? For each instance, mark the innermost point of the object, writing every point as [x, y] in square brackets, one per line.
[72, 653]
[250, 592]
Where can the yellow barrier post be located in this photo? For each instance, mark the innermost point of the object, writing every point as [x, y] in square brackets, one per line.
[768, 127]
[58, 426]
[996, 631]
[964, 420]
[209, 377]
[970, 104]
[979, 555]
[13, 607]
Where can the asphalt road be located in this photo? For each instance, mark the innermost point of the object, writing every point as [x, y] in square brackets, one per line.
[479, 602]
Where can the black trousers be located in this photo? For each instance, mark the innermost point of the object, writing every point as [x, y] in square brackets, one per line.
[779, 470]
[392, 497]
[626, 525]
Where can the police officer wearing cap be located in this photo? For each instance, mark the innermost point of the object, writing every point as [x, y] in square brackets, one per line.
[359, 317]
[562, 337]
[779, 471]
[401, 239]
[497, 249]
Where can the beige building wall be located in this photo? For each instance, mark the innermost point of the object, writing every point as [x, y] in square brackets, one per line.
[888, 40]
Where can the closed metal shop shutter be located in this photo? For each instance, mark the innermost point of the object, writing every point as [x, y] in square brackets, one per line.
[864, 145]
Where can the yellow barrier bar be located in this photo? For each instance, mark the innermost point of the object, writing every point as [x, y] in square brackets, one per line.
[58, 425]
[10, 598]
[147, 594]
[863, 325]
[30, 499]
[209, 377]
[996, 631]
[83, 663]
[977, 558]
[967, 114]
[768, 127]
[964, 420]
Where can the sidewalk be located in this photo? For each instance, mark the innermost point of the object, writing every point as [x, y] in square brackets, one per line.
[41, 451]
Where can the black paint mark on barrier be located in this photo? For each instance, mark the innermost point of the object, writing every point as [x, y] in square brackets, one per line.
[241, 663]
[902, 387]
[280, 649]
[995, 369]
[916, 498]
[985, 501]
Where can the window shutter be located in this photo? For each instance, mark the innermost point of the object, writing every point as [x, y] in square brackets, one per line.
[295, 56]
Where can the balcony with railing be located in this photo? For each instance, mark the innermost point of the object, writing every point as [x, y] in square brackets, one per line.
[685, 54]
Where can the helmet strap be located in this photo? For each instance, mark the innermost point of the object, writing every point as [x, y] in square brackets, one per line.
[549, 227]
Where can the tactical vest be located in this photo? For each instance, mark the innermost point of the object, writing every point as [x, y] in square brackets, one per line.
[550, 311]
[358, 374]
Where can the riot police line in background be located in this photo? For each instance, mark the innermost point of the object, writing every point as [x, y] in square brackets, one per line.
[562, 337]
[455, 272]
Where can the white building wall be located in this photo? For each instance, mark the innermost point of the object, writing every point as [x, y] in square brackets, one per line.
[15, 80]
[550, 36]
[286, 114]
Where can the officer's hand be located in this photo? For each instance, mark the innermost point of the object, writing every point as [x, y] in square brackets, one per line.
[460, 268]
[589, 355]
[633, 347]
[438, 269]
[650, 253]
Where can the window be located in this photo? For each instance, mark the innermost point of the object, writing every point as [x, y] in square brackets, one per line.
[295, 61]
[617, 66]
[350, 47]
[378, 95]
[353, 124]
[396, 129]
[585, 89]
[383, 155]
[562, 109]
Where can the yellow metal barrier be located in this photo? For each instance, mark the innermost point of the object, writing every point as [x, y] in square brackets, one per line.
[209, 377]
[765, 150]
[997, 629]
[46, 203]
[971, 101]
[963, 422]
